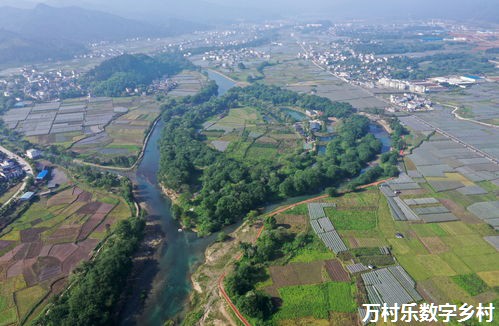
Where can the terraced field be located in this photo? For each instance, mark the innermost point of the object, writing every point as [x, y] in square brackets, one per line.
[39, 250]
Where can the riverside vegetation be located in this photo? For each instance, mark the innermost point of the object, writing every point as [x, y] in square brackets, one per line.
[218, 189]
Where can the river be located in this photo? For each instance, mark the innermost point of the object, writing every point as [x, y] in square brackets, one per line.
[167, 280]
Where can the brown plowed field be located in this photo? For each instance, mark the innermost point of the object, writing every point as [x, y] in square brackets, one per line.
[64, 234]
[47, 268]
[90, 225]
[31, 235]
[34, 249]
[63, 251]
[336, 271]
[84, 196]
[297, 274]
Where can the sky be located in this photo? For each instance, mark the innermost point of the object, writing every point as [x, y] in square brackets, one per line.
[213, 10]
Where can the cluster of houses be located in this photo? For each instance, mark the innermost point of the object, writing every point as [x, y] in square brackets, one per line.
[10, 170]
[232, 58]
[363, 69]
[163, 85]
[41, 85]
[410, 103]
[419, 87]
[370, 70]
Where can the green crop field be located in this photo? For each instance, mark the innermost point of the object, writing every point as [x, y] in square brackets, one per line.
[249, 136]
[8, 317]
[471, 283]
[28, 297]
[352, 220]
[316, 300]
[312, 252]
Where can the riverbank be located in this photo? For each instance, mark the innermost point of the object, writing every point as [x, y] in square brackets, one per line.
[170, 193]
[236, 83]
[377, 119]
[207, 307]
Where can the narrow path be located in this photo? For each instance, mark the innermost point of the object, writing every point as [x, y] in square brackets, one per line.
[278, 211]
[483, 154]
[459, 117]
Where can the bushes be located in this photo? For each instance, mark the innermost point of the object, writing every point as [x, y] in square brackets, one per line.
[256, 305]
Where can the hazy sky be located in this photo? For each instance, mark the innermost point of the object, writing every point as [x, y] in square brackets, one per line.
[335, 9]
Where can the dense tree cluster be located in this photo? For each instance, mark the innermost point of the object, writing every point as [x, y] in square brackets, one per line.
[113, 76]
[397, 135]
[121, 160]
[442, 64]
[391, 47]
[225, 189]
[97, 285]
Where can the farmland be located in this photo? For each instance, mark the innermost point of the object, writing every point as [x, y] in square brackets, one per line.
[245, 133]
[123, 136]
[97, 129]
[456, 259]
[316, 300]
[40, 249]
[438, 262]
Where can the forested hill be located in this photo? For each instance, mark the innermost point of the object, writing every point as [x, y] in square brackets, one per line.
[113, 76]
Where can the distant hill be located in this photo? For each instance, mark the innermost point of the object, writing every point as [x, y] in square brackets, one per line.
[16, 49]
[174, 11]
[44, 32]
[73, 23]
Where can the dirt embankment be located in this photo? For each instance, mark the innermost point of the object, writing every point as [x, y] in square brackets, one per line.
[379, 120]
[170, 193]
[219, 258]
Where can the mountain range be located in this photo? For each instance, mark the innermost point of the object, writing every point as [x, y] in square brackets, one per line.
[46, 32]
[61, 28]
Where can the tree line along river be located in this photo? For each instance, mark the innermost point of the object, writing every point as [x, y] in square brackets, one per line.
[167, 280]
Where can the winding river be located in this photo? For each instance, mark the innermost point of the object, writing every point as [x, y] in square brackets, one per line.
[167, 280]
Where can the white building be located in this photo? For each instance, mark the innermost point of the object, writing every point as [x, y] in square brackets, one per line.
[33, 153]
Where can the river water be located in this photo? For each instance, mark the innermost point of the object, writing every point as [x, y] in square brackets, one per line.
[168, 279]
[181, 253]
